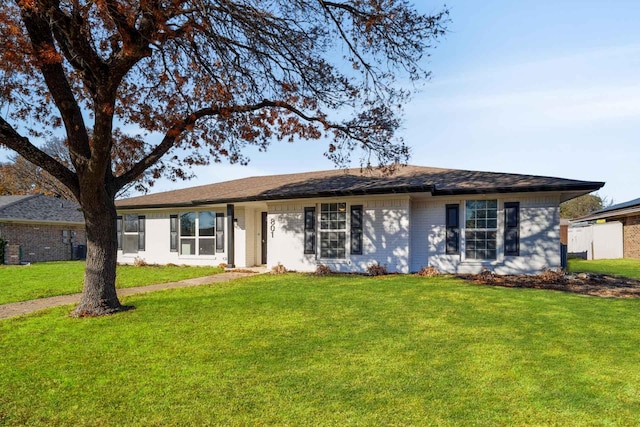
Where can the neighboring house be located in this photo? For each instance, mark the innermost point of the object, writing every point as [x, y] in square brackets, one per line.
[41, 228]
[454, 220]
[627, 213]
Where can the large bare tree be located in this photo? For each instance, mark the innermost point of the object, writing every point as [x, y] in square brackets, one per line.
[210, 77]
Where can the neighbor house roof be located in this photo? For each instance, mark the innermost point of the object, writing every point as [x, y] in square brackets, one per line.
[632, 207]
[39, 208]
[345, 182]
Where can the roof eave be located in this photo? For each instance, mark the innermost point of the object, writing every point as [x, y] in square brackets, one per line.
[582, 187]
[586, 187]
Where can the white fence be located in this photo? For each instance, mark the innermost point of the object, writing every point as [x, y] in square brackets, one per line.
[596, 241]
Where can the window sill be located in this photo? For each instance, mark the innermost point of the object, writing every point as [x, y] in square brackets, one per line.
[480, 262]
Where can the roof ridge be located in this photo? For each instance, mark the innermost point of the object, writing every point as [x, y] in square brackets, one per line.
[24, 198]
[346, 171]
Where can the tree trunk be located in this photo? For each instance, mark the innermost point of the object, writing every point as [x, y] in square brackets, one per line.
[99, 290]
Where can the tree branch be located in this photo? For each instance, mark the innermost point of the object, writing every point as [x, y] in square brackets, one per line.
[13, 140]
[175, 131]
[54, 74]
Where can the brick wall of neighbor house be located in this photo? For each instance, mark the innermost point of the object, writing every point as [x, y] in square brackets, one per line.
[631, 232]
[43, 242]
[12, 254]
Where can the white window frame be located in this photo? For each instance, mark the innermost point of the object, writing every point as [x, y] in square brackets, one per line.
[327, 220]
[196, 238]
[482, 224]
[130, 235]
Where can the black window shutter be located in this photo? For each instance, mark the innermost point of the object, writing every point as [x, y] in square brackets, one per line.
[356, 230]
[173, 233]
[119, 231]
[453, 229]
[512, 229]
[141, 233]
[219, 232]
[309, 230]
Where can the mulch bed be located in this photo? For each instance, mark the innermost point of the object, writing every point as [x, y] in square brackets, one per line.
[601, 285]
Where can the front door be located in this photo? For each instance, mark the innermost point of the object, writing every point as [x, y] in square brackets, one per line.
[263, 235]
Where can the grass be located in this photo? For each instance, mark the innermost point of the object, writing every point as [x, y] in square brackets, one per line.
[335, 350]
[21, 283]
[626, 267]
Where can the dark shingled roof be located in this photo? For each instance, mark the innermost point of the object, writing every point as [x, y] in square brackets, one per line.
[39, 208]
[339, 182]
[619, 210]
[629, 204]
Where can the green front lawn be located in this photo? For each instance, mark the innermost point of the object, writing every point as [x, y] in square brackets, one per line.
[46, 279]
[618, 267]
[335, 350]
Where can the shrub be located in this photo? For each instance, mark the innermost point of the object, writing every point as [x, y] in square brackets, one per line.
[323, 270]
[278, 269]
[376, 269]
[487, 276]
[549, 275]
[428, 272]
[139, 262]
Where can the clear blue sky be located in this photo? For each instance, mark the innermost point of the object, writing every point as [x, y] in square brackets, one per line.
[535, 87]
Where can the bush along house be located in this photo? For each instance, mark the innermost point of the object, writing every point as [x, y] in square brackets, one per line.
[456, 221]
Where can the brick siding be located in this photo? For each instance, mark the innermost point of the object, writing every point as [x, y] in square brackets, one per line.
[42, 242]
[632, 237]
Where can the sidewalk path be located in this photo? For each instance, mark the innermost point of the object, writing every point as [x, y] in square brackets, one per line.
[24, 307]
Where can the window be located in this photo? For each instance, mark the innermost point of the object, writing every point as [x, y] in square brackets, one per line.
[512, 229]
[481, 228]
[453, 229]
[333, 225]
[206, 233]
[173, 233]
[131, 233]
[309, 230]
[188, 233]
[198, 233]
[356, 230]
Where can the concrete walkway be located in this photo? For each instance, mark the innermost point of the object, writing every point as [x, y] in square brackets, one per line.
[24, 307]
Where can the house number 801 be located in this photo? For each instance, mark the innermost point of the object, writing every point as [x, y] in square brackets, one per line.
[273, 226]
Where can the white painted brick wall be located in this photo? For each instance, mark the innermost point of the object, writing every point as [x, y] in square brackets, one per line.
[385, 239]
[157, 243]
[405, 236]
[539, 237]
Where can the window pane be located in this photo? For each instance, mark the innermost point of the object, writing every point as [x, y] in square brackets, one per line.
[481, 224]
[130, 243]
[187, 246]
[131, 223]
[206, 247]
[206, 221]
[187, 224]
